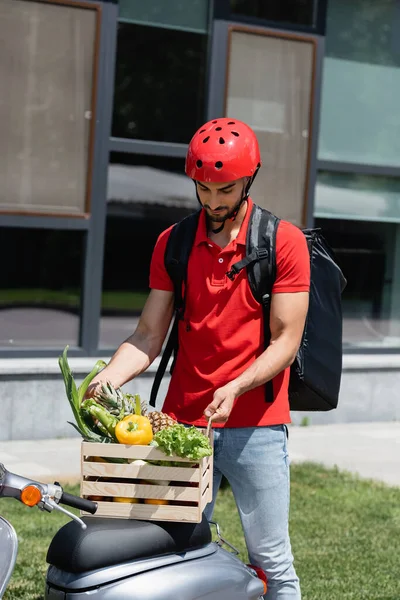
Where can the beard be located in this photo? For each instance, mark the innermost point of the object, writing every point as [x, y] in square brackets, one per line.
[229, 214]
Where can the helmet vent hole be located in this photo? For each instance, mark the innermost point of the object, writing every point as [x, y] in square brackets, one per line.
[235, 133]
[215, 122]
[199, 164]
[202, 131]
[219, 165]
[231, 123]
[221, 140]
[206, 139]
[218, 128]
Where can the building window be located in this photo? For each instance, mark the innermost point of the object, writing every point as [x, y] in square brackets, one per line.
[360, 118]
[270, 88]
[298, 12]
[369, 255]
[358, 197]
[159, 83]
[146, 194]
[40, 287]
[190, 16]
[46, 74]
[360, 216]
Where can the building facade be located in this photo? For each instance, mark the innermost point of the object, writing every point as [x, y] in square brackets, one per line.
[99, 101]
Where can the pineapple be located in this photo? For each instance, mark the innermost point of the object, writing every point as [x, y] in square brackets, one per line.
[160, 420]
[120, 404]
[115, 401]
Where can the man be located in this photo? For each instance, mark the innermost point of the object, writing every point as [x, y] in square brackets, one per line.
[222, 365]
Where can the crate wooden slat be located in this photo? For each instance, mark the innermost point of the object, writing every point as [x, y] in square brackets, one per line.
[148, 512]
[95, 469]
[127, 490]
[126, 451]
[184, 490]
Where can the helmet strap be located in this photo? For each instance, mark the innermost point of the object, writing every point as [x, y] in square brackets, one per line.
[245, 196]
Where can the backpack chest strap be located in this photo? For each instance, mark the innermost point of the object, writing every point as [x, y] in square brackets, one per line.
[256, 255]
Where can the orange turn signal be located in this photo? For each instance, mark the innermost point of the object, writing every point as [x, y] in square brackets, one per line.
[31, 495]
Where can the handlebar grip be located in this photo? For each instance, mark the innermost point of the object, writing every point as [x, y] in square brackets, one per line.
[79, 503]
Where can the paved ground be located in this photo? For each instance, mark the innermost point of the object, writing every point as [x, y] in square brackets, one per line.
[370, 449]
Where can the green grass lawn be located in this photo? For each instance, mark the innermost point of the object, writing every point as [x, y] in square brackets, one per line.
[345, 536]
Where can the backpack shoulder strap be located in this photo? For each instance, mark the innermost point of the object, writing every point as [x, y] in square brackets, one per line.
[176, 259]
[177, 252]
[261, 238]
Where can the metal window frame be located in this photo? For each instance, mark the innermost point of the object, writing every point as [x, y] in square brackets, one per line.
[94, 224]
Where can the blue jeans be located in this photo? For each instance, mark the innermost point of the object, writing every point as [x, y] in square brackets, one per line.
[255, 462]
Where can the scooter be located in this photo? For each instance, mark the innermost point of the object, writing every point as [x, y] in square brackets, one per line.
[121, 559]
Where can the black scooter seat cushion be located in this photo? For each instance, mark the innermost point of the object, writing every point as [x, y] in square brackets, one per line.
[108, 542]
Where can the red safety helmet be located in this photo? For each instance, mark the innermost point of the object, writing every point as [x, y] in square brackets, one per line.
[223, 150]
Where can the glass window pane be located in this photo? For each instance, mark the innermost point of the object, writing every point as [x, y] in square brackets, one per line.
[159, 85]
[360, 117]
[355, 196]
[40, 287]
[146, 194]
[369, 254]
[178, 14]
[46, 74]
[269, 88]
[300, 12]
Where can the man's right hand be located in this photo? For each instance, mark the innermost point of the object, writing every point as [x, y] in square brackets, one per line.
[93, 388]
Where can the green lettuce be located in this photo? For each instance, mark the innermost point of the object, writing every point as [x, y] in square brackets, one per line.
[186, 442]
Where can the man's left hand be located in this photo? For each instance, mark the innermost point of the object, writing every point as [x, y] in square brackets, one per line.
[222, 404]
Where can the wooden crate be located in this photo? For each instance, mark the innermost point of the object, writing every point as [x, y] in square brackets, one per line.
[187, 489]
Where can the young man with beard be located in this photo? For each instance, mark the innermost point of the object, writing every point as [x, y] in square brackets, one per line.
[222, 365]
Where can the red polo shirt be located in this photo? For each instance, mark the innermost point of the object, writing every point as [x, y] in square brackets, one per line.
[222, 333]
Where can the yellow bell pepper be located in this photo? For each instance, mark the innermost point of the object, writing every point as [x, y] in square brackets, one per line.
[134, 429]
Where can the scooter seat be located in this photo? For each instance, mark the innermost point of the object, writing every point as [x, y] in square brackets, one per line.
[108, 542]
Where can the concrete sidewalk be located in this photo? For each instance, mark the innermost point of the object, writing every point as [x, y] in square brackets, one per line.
[372, 450]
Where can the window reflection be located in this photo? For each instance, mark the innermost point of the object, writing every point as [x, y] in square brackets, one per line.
[159, 83]
[145, 196]
[368, 255]
[360, 119]
[40, 289]
[286, 11]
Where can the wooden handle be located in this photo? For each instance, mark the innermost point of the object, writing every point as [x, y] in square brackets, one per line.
[208, 427]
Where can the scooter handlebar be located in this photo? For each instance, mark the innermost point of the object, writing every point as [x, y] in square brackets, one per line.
[79, 503]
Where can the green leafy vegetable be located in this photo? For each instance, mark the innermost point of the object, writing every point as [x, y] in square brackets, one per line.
[75, 396]
[107, 421]
[186, 442]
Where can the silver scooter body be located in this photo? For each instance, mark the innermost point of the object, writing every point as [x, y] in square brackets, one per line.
[209, 573]
[8, 553]
[118, 559]
[114, 559]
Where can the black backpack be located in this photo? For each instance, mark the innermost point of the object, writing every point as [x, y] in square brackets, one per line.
[316, 372]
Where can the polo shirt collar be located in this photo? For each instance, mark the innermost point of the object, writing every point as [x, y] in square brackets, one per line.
[201, 233]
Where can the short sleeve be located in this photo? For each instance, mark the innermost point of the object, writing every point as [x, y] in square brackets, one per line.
[292, 260]
[159, 278]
